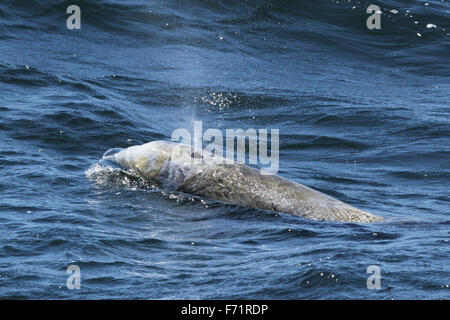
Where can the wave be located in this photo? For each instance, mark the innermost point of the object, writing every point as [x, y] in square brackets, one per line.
[414, 35]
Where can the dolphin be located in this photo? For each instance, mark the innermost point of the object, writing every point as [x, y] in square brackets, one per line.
[173, 166]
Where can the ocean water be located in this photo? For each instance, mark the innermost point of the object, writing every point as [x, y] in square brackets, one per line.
[363, 115]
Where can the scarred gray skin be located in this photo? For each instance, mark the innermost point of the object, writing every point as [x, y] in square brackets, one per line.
[173, 166]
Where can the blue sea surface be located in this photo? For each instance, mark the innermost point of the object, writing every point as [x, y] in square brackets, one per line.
[363, 116]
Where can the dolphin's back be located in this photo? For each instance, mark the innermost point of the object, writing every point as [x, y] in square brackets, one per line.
[242, 185]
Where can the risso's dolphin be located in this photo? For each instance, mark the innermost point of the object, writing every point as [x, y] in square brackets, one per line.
[173, 166]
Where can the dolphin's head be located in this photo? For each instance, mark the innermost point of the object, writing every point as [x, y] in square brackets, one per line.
[164, 162]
